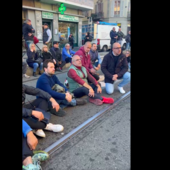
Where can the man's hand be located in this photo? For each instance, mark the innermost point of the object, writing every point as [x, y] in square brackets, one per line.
[97, 68]
[99, 90]
[59, 62]
[54, 104]
[54, 61]
[46, 42]
[68, 97]
[32, 141]
[92, 70]
[114, 77]
[38, 115]
[91, 92]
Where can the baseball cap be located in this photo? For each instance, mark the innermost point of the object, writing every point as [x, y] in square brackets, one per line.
[56, 42]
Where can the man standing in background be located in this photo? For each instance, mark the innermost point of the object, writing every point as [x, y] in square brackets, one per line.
[47, 36]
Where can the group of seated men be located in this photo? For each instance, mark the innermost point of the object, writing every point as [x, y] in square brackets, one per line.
[53, 96]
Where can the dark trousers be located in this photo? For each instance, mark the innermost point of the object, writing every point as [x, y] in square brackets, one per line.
[82, 91]
[95, 76]
[24, 67]
[68, 60]
[26, 152]
[57, 65]
[37, 103]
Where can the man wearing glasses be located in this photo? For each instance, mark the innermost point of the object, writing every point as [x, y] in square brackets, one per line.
[114, 66]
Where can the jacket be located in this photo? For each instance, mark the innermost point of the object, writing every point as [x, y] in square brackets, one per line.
[65, 54]
[32, 56]
[112, 35]
[120, 35]
[25, 128]
[128, 38]
[87, 36]
[86, 60]
[109, 69]
[71, 40]
[47, 55]
[56, 54]
[26, 29]
[35, 92]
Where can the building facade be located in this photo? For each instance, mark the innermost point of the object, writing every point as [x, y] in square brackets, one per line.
[61, 25]
[112, 11]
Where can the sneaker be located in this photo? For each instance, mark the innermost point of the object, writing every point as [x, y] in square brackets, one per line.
[41, 156]
[81, 101]
[39, 133]
[97, 102]
[31, 167]
[60, 113]
[108, 100]
[54, 128]
[26, 76]
[121, 89]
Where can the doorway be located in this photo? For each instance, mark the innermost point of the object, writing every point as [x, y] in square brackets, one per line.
[50, 26]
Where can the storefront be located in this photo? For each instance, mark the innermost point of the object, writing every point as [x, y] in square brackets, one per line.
[67, 25]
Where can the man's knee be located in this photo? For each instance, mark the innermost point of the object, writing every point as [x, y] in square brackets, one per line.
[35, 65]
[109, 88]
[126, 76]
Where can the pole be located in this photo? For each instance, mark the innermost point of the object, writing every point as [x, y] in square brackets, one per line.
[97, 33]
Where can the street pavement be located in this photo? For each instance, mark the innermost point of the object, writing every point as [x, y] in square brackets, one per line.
[105, 145]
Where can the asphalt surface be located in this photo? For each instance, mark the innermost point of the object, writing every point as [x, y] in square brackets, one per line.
[105, 145]
[98, 147]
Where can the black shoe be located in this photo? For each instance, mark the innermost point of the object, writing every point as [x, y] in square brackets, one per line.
[60, 113]
[34, 74]
[81, 101]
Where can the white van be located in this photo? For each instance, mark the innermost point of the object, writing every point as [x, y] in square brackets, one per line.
[103, 38]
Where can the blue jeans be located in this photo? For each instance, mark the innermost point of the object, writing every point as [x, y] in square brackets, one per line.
[28, 43]
[64, 103]
[96, 64]
[127, 46]
[35, 66]
[119, 41]
[129, 65]
[110, 86]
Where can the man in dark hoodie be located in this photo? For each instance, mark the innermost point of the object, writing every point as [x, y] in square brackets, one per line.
[114, 66]
[83, 52]
[57, 57]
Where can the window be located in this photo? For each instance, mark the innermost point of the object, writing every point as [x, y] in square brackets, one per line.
[117, 9]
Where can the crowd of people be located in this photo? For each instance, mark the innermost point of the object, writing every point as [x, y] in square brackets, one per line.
[52, 96]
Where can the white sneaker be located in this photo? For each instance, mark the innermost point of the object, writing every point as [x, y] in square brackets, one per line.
[39, 132]
[26, 76]
[121, 89]
[54, 128]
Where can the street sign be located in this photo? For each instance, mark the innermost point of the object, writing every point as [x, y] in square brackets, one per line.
[47, 15]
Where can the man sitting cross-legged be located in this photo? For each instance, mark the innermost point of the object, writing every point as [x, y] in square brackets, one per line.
[48, 80]
[78, 84]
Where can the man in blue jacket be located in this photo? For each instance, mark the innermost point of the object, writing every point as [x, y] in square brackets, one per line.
[113, 36]
[48, 79]
[29, 143]
[67, 53]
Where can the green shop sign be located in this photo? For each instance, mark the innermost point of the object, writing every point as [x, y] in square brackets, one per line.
[68, 18]
[62, 8]
[47, 15]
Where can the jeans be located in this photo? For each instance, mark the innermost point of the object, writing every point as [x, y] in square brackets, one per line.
[127, 46]
[110, 86]
[28, 43]
[96, 64]
[64, 103]
[129, 65]
[35, 66]
[119, 41]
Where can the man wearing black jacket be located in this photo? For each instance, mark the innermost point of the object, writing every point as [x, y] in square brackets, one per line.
[27, 28]
[57, 57]
[113, 36]
[35, 112]
[114, 66]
